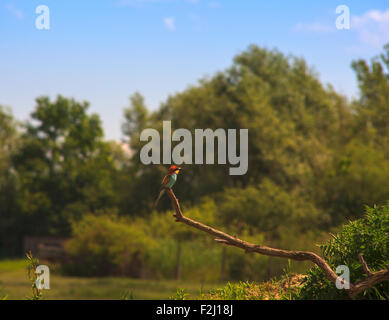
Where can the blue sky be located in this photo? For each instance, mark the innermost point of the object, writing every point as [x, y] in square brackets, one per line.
[103, 51]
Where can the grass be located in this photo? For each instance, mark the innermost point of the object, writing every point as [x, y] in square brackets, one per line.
[11, 265]
[285, 288]
[15, 283]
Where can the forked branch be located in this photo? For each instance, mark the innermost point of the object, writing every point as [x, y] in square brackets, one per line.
[224, 238]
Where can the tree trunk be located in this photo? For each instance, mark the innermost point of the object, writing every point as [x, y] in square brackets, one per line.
[178, 261]
[223, 264]
[270, 272]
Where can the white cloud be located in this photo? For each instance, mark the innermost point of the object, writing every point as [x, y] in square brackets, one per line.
[15, 11]
[170, 23]
[372, 27]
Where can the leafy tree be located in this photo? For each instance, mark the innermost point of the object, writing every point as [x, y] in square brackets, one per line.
[9, 213]
[265, 208]
[137, 180]
[372, 107]
[359, 177]
[294, 123]
[8, 139]
[357, 174]
[64, 167]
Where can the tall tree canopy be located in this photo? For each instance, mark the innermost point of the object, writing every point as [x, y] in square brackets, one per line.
[64, 167]
[294, 123]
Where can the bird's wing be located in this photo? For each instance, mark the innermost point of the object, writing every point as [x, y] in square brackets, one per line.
[165, 180]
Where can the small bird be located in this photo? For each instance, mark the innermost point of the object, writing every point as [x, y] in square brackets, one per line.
[168, 181]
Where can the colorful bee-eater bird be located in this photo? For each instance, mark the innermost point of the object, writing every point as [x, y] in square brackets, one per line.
[168, 181]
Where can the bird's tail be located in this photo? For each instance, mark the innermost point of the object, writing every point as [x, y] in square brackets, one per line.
[159, 197]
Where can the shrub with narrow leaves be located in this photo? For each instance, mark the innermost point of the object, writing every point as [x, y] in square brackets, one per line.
[368, 236]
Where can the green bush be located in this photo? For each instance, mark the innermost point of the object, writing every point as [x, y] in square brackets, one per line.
[106, 245]
[368, 236]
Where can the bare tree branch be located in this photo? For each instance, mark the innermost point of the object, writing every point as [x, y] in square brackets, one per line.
[224, 238]
[364, 265]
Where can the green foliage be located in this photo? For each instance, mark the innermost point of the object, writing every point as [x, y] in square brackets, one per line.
[32, 264]
[201, 258]
[105, 245]
[8, 135]
[372, 108]
[368, 236]
[237, 291]
[64, 168]
[128, 295]
[360, 176]
[136, 117]
[292, 119]
[180, 295]
[301, 136]
[9, 210]
[267, 207]
[240, 265]
[270, 290]
[3, 296]
[163, 225]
